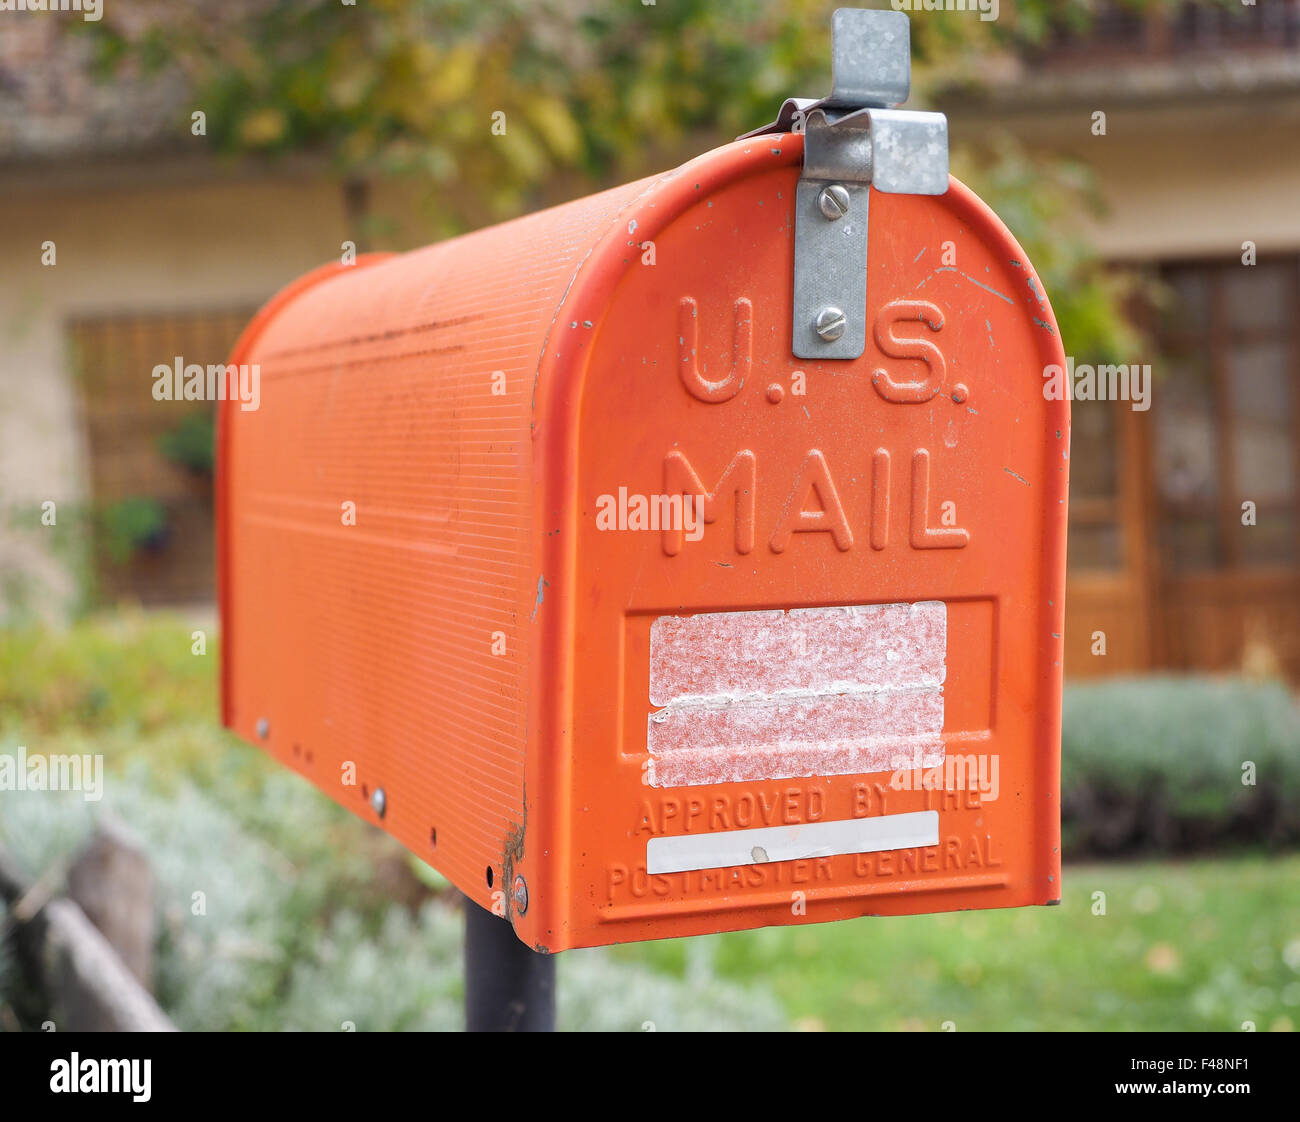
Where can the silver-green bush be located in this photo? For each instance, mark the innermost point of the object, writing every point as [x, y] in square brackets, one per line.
[1171, 764]
[252, 938]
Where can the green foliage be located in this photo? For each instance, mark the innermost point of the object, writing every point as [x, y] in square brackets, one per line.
[427, 875]
[222, 955]
[408, 88]
[409, 976]
[694, 999]
[127, 671]
[191, 443]
[130, 525]
[406, 976]
[1157, 764]
[409, 85]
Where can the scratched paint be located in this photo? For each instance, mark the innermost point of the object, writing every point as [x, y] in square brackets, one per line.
[967, 276]
[1033, 285]
[542, 584]
[779, 695]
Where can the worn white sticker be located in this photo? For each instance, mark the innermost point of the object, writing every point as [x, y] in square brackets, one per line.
[688, 852]
[782, 695]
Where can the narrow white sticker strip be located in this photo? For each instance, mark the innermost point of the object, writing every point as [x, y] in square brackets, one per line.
[782, 695]
[688, 852]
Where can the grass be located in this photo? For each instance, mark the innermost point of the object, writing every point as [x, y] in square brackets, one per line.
[1203, 945]
[1198, 944]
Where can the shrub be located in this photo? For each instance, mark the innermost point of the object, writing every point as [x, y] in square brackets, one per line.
[300, 940]
[191, 443]
[131, 525]
[1158, 764]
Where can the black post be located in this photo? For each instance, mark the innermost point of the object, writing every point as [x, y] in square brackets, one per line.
[508, 987]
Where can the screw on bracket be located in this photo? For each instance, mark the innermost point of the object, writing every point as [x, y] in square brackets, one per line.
[834, 201]
[830, 323]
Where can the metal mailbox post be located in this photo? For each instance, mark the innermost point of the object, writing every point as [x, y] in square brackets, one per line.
[686, 558]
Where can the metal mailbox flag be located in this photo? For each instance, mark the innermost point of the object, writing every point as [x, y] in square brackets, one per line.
[685, 558]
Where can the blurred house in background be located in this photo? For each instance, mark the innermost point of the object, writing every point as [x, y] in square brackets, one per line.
[1201, 154]
[162, 250]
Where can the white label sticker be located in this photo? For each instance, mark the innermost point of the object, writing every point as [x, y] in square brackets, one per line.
[688, 852]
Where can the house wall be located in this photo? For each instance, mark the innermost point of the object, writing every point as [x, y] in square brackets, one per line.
[178, 240]
[1193, 180]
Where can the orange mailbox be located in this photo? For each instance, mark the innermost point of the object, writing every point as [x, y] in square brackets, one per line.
[685, 558]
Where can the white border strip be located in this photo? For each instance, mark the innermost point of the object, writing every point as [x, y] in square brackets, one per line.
[687, 852]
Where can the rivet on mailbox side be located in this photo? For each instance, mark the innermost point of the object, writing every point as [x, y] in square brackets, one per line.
[705, 564]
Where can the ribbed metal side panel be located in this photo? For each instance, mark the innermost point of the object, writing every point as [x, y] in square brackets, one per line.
[372, 645]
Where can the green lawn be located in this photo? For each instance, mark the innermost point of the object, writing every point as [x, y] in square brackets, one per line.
[1184, 946]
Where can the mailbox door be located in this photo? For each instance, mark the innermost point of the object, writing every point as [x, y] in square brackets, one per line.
[837, 692]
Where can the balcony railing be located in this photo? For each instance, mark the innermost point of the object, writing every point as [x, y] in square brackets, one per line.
[1191, 28]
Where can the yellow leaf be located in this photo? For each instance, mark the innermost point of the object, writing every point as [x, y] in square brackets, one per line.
[453, 78]
[551, 118]
[262, 128]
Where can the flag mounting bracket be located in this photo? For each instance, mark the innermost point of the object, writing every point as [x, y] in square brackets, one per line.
[854, 140]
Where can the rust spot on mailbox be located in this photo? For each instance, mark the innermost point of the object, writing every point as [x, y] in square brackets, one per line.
[691, 634]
